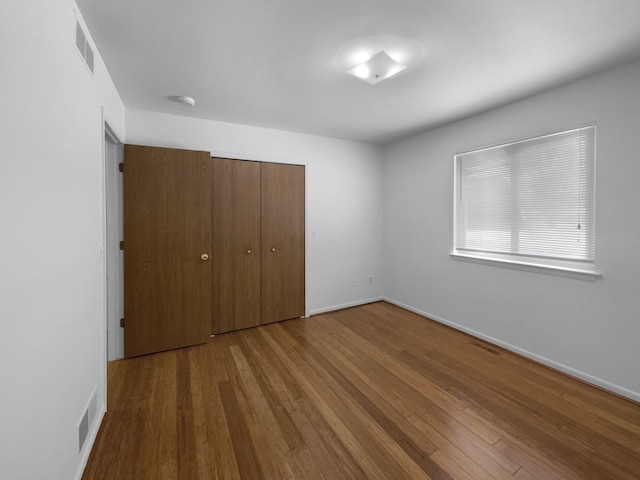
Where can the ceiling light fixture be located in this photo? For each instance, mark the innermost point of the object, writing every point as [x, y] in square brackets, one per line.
[379, 67]
[186, 101]
[376, 58]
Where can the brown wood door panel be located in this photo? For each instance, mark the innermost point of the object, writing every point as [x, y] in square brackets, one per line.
[283, 243]
[167, 227]
[236, 296]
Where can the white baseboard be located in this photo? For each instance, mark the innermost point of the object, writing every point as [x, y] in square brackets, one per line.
[91, 440]
[585, 377]
[345, 305]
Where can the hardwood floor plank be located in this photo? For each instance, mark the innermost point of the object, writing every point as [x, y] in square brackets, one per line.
[360, 368]
[373, 392]
[555, 433]
[411, 448]
[307, 463]
[219, 453]
[273, 394]
[533, 462]
[336, 461]
[479, 425]
[243, 445]
[518, 414]
[264, 429]
[360, 362]
[187, 458]
[343, 419]
[399, 392]
[524, 474]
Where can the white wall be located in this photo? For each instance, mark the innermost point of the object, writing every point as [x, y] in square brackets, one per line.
[51, 212]
[589, 329]
[344, 195]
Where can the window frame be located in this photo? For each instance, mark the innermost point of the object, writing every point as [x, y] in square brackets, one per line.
[571, 268]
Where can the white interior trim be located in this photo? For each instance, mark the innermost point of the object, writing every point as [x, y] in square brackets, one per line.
[357, 303]
[91, 438]
[257, 157]
[547, 269]
[103, 199]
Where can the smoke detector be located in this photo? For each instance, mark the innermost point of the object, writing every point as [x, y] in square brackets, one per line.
[186, 101]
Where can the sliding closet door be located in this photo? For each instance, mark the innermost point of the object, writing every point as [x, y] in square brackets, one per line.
[167, 241]
[236, 245]
[283, 277]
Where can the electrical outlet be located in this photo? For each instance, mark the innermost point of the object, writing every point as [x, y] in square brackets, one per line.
[353, 282]
[371, 279]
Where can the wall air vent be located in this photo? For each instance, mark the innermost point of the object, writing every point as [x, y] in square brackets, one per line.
[93, 408]
[82, 44]
[83, 429]
[87, 420]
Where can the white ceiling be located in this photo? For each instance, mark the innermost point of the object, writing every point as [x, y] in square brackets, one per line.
[270, 62]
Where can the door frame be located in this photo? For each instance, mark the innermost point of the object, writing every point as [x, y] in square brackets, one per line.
[113, 259]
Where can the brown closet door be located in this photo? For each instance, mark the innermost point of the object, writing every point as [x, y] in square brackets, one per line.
[282, 242]
[236, 245]
[167, 228]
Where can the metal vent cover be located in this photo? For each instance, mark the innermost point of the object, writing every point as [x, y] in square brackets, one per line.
[82, 44]
[83, 429]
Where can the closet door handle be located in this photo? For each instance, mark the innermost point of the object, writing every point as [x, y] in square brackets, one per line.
[273, 249]
[248, 252]
[204, 257]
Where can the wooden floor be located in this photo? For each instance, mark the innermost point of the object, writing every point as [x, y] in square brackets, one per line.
[372, 392]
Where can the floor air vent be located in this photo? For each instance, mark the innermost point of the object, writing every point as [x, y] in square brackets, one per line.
[486, 348]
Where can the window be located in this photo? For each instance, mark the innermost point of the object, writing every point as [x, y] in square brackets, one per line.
[530, 202]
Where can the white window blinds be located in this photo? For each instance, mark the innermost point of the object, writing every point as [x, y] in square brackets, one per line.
[533, 198]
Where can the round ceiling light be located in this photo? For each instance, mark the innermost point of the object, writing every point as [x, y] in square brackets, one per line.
[186, 101]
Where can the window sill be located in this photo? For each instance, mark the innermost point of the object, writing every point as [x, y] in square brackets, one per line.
[562, 269]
